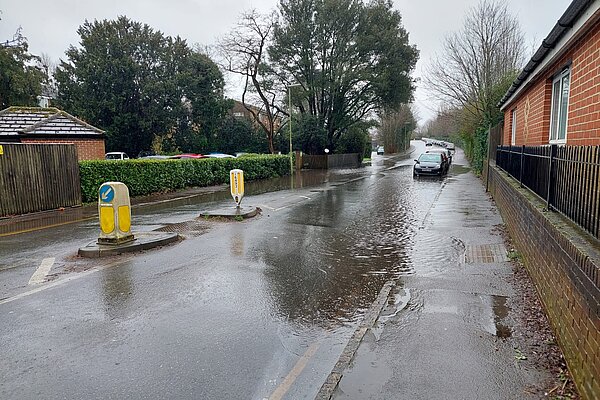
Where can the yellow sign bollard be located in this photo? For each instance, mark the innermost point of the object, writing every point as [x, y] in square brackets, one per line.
[1, 150]
[236, 180]
[114, 211]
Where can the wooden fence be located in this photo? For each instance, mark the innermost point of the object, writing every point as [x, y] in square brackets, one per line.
[566, 177]
[352, 160]
[38, 177]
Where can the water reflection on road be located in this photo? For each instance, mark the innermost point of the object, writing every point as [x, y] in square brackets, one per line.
[343, 245]
[235, 305]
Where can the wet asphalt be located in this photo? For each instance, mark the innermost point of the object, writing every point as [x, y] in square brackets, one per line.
[265, 307]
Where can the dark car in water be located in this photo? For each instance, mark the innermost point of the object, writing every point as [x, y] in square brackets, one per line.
[447, 152]
[431, 164]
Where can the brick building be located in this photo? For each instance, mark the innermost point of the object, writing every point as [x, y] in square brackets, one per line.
[240, 111]
[556, 98]
[51, 125]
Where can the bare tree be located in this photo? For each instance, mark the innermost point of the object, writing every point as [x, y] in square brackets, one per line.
[446, 123]
[48, 67]
[243, 52]
[479, 62]
[17, 40]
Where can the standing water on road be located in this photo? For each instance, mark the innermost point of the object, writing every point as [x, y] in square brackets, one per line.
[231, 311]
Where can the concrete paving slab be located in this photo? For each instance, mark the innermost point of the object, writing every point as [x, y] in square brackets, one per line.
[142, 241]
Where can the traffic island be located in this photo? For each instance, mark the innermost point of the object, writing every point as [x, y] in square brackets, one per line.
[238, 213]
[142, 241]
[232, 212]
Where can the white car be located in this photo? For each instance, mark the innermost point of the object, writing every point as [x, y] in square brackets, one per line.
[219, 155]
[116, 155]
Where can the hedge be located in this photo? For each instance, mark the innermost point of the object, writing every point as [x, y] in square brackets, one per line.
[144, 177]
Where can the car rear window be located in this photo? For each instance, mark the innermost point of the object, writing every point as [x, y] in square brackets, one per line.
[430, 157]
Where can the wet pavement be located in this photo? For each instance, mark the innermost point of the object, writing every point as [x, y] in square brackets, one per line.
[264, 308]
[446, 332]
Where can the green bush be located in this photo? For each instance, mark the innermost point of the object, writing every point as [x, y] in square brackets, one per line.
[144, 177]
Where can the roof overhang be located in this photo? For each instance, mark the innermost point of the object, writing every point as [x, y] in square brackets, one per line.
[99, 136]
[576, 21]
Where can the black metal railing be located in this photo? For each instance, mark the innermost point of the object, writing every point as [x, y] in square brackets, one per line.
[565, 177]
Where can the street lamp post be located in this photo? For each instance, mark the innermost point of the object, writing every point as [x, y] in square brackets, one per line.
[290, 123]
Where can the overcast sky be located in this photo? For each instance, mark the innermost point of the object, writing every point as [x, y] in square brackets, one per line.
[51, 26]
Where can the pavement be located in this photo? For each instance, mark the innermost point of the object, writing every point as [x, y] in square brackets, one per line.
[448, 328]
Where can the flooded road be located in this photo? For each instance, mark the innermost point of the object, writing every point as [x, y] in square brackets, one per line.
[256, 309]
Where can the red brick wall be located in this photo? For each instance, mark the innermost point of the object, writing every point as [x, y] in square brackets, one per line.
[87, 149]
[565, 267]
[583, 121]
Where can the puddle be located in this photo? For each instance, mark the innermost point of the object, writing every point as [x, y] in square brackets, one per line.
[497, 313]
[459, 170]
[501, 311]
[449, 253]
[374, 373]
[397, 301]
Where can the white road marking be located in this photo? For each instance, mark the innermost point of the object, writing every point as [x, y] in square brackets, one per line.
[45, 287]
[61, 282]
[294, 202]
[289, 380]
[39, 276]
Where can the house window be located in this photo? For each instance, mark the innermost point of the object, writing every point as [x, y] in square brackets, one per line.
[513, 127]
[560, 106]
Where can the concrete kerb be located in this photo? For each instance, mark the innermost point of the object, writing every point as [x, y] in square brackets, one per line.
[335, 376]
[142, 241]
[232, 212]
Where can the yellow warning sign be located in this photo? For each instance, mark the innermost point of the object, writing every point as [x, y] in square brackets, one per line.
[1, 150]
[114, 210]
[236, 180]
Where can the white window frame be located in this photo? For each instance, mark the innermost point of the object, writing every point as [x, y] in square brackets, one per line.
[513, 127]
[553, 137]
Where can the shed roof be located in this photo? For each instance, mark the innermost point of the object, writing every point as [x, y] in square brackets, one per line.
[37, 121]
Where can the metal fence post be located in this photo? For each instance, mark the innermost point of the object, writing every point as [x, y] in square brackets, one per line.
[551, 181]
[489, 154]
[509, 163]
[521, 166]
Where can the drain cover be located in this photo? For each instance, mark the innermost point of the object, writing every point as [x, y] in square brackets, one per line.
[487, 253]
[194, 228]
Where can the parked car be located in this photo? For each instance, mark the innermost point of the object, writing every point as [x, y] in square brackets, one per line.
[219, 155]
[146, 153]
[155, 157]
[431, 164]
[429, 143]
[116, 155]
[380, 150]
[447, 152]
[188, 155]
[450, 146]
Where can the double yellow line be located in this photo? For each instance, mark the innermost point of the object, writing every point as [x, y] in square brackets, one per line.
[38, 228]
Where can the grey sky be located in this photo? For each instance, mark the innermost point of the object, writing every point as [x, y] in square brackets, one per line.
[51, 26]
